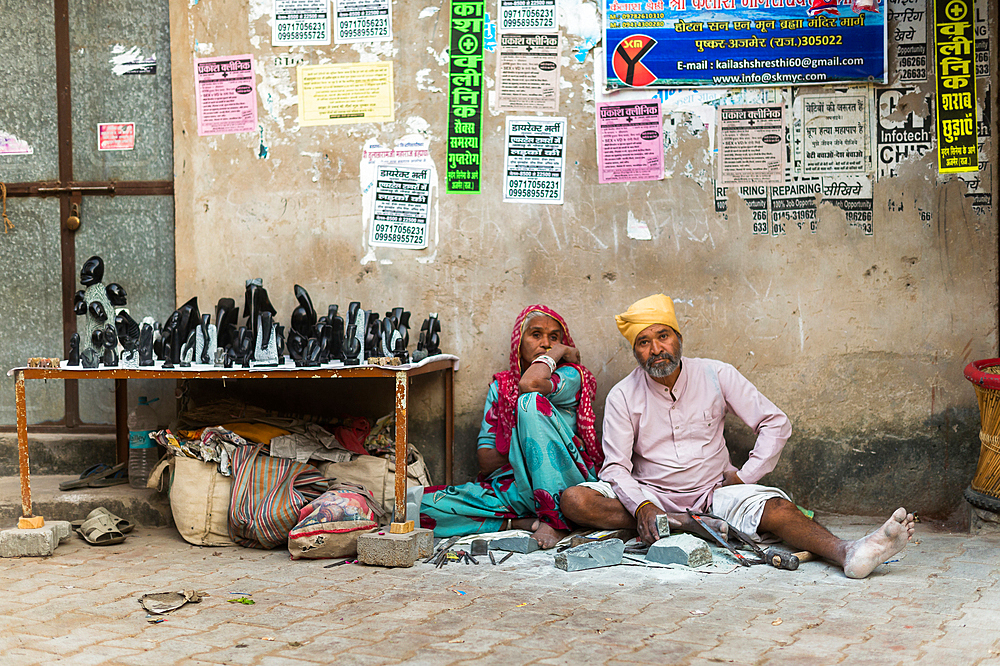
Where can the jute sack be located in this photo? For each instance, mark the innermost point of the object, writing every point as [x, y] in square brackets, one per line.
[199, 499]
[378, 475]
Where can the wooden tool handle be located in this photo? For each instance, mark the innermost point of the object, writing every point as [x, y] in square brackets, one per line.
[804, 556]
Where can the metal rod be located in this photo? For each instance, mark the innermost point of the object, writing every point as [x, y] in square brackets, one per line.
[22, 443]
[449, 424]
[402, 399]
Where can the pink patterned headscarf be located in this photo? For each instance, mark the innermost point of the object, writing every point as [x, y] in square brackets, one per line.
[507, 384]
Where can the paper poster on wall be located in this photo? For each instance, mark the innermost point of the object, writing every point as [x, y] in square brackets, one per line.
[793, 205]
[835, 135]
[535, 160]
[115, 136]
[527, 15]
[751, 145]
[11, 145]
[899, 140]
[465, 96]
[853, 195]
[528, 68]
[955, 69]
[401, 211]
[629, 141]
[300, 22]
[671, 44]
[982, 40]
[225, 94]
[362, 21]
[345, 93]
[910, 36]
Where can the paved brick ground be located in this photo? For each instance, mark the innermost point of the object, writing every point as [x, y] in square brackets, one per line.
[939, 604]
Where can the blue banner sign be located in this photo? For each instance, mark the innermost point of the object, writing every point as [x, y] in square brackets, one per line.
[740, 43]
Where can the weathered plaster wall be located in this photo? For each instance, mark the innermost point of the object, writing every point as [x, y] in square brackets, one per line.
[860, 339]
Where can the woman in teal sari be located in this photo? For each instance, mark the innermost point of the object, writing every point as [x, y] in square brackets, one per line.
[536, 440]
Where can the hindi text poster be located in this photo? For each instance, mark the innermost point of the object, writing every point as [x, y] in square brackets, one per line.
[225, 95]
[535, 160]
[910, 35]
[345, 93]
[300, 22]
[362, 21]
[115, 136]
[835, 136]
[629, 141]
[751, 145]
[465, 96]
[530, 15]
[401, 209]
[528, 68]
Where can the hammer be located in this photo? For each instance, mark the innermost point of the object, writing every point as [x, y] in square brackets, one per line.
[790, 561]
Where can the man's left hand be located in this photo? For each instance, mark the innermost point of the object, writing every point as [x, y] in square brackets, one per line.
[731, 478]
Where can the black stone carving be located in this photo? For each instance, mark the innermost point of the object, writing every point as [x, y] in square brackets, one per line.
[97, 311]
[79, 303]
[116, 294]
[146, 346]
[92, 271]
[74, 350]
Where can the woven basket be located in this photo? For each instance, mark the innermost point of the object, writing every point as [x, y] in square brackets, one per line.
[985, 376]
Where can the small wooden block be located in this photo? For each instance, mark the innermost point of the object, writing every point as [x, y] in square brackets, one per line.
[401, 528]
[33, 523]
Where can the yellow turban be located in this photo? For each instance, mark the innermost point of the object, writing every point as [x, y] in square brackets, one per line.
[658, 309]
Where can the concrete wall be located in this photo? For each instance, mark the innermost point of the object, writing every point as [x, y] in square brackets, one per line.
[860, 338]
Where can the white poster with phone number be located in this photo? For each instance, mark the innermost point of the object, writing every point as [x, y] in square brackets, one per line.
[535, 160]
[402, 206]
[301, 22]
[362, 21]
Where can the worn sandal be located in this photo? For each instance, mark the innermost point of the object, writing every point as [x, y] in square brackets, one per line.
[100, 531]
[122, 525]
[92, 473]
[115, 476]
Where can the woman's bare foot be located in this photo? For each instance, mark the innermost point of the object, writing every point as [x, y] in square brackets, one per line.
[546, 535]
[865, 554]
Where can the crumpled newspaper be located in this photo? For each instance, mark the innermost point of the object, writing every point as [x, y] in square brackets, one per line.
[164, 602]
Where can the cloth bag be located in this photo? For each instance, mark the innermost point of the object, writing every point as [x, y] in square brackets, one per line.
[330, 525]
[267, 496]
[199, 499]
[378, 475]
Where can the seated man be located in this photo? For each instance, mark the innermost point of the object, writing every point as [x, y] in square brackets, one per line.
[664, 453]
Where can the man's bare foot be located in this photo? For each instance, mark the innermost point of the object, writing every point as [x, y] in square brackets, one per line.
[546, 535]
[865, 554]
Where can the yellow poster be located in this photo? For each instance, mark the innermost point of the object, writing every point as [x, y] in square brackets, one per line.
[345, 93]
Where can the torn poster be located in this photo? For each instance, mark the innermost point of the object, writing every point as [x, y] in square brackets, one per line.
[898, 140]
[527, 15]
[794, 204]
[11, 145]
[362, 21]
[528, 68]
[853, 195]
[751, 145]
[910, 35]
[835, 135]
[300, 22]
[115, 136]
[402, 207]
[345, 93]
[224, 94]
[535, 160]
[629, 141]
[955, 77]
[124, 62]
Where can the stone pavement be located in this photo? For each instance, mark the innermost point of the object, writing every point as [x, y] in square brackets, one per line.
[939, 604]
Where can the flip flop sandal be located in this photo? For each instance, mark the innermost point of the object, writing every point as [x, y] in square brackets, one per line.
[90, 474]
[100, 531]
[117, 475]
[122, 525]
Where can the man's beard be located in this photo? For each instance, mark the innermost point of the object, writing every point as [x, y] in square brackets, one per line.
[660, 371]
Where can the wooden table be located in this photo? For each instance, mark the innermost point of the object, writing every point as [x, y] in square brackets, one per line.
[401, 374]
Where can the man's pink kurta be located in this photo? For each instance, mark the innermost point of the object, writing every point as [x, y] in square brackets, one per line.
[668, 446]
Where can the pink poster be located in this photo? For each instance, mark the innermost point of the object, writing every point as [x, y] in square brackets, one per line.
[629, 141]
[225, 95]
[115, 136]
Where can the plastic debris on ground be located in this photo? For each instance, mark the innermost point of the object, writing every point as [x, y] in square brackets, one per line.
[164, 602]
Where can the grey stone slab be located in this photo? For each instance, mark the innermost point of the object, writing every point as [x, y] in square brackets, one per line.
[684, 549]
[605, 553]
[388, 550]
[516, 544]
[40, 542]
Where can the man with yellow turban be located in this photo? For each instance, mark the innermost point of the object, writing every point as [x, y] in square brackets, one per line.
[664, 453]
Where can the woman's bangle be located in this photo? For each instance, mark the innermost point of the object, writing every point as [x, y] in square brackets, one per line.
[547, 360]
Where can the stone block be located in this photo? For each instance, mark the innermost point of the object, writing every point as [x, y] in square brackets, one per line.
[662, 526]
[604, 553]
[40, 542]
[425, 541]
[685, 549]
[515, 544]
[387, 549]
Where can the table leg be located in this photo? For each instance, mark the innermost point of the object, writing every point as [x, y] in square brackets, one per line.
[400, 524]
[449, 424]
[22, 443]
[121, 420]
